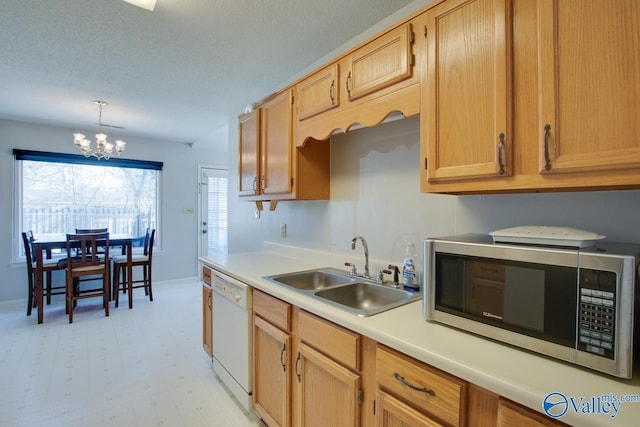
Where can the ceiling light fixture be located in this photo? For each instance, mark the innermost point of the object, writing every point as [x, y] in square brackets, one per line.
[103, 148]
[145, 4]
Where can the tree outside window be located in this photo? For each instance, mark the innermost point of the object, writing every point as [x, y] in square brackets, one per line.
[60, 197]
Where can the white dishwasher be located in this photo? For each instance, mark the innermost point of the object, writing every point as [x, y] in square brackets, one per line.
[232, 336]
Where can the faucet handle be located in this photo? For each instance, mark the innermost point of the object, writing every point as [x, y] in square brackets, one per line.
[380, 275]
[396, 273]
[352, 271]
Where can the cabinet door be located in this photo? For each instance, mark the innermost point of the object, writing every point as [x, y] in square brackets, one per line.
[249, 144]
[590, 85]
[468, 90]
[272, 379]
[390, 412]
[382, 62]
[329, 391]
[318, 93]
[207, 319]
[276, 118]
[510, 414]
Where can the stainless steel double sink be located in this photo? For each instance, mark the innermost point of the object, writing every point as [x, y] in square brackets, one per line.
[356, 295]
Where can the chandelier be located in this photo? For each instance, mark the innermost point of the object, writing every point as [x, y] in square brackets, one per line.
[103, 148]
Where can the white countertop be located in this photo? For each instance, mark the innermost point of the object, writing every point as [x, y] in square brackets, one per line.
[519, 375]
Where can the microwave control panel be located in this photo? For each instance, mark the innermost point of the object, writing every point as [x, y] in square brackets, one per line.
[597, 313]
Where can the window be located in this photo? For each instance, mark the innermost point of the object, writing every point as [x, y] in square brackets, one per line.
[58, 193]
[215, 211]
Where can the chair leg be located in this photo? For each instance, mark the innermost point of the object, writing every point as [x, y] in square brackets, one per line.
[148, 269]
[116, 282]
[30, 302]
[105, 294]
[48, 287]
[70, 299]
[124, 280]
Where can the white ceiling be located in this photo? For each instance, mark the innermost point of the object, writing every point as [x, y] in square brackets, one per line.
[179, 73]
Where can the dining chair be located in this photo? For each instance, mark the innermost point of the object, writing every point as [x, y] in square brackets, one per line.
[86, 261]
[92, 231]
[48, 265]
[120, 267]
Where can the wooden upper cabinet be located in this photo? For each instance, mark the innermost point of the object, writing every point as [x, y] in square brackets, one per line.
[590, 85]
[467, 125]
[276, 117]
[249, 144]
[382, 62]
[319, 92]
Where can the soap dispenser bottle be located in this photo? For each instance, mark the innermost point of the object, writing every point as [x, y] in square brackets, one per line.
[409, 275]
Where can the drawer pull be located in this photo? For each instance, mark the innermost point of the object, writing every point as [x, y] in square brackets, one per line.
[413, 387]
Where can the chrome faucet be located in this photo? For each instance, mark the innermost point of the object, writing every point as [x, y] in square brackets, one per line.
[366, 254]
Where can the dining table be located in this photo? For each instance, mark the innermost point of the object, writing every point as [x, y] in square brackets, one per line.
[44, 245]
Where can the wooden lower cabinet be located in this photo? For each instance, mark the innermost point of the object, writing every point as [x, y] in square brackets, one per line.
[391, 412]
[328, 391]
[437, 395]
[207, 312]
[272, 359]
[300, 378]
[272, 380]
[487, 409]
[311, 372]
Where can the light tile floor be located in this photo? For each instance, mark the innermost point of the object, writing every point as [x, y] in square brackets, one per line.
[140, 367]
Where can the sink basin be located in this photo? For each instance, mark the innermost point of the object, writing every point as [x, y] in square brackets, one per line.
[365, 299]
[312, 279]
[359, 296]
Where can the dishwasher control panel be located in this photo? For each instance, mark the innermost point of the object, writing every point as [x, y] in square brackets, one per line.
[231, 289]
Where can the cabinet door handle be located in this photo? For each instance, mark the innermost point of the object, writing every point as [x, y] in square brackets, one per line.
[348, 82]
[297, 363]
[282, 360]
[209, 301]
[262, 183]
[331, 90]
[547, 136]
[413, 387]
[501, 153]
[255, 188]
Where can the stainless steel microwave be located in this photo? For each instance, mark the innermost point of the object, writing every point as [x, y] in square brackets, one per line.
[572, 304]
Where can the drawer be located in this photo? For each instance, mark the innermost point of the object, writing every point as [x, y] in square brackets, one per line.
[276, 311]
[339, 343]
[422, 386]
[206, 275]
[487, 270]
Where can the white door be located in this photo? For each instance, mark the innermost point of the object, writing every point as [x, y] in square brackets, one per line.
[213, 211]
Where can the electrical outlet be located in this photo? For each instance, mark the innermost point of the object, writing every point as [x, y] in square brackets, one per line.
[283, 230]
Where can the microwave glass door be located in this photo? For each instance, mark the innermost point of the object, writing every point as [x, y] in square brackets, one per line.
[538, 300]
